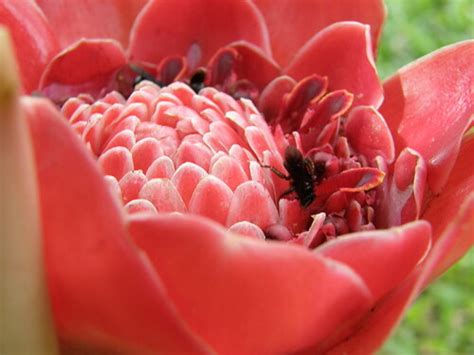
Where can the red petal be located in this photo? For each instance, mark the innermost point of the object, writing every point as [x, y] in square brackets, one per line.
[368, 133]
[382, 258]
[93, 271]
[429, 106]
[288, 297]
[91, 19]
[444, 211]
[351, 180]
[34, 40]
[379, 324]
[254, 64]
[196, 30]
[305, 18]
[87, 66]
[272, 96]
[341, 52]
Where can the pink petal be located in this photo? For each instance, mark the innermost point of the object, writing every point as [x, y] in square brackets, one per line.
[217, 280]
[116, 162]
[131, 184]
[247, 229]
[229, 171]
[196, 30]
[34, 40]
[145, 152]
[162, 167]
[87, 66]
[368, 133]
[351, 180]
[305, 18]
[382, 258]
[211, 198]
[91, 19]
[429, 106]
[342, 52]
[186, 178]
[92, 269]
[252, 202]
[163, 195]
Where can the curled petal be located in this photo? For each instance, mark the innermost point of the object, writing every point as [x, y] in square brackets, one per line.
[87, 66]
[187, 32]
[429, 105]
[444, 211]
[351, 180]
[216, 280]
[343, 53]
[271, 97]
[34, 40]
[382, 258]
[406, 189]
[305, 18]
[369, 134]
[92, 268]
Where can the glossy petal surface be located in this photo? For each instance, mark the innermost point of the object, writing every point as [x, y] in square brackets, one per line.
[429, 105]
[91, 18]
[307, 17]
[93, 270]
[219, 282]
[35, 42]
[342, 52]
[196, 30]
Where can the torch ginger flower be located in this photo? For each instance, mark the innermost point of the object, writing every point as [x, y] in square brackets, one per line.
[176, 219]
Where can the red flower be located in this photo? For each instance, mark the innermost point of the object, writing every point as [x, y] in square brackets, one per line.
[125, 275]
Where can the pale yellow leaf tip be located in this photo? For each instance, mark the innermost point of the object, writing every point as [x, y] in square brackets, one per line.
[9, 80]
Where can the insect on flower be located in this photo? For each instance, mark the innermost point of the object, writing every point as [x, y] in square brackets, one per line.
[303, 174]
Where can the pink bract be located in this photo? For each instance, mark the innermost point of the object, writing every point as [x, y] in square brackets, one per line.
[165, 229]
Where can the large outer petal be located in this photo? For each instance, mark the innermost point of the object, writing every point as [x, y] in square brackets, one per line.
[91, 18]
[306, 17]
[196, 30]
[103, 292]
[245, 296]
[429, 104]
[457, 195]
[35, 43]
[25, 318]
[342, 52]
[452, 218]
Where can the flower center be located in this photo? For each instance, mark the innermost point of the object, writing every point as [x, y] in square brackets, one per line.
[170, 149]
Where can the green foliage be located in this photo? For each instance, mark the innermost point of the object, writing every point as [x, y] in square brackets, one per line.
[417, 27]
[441, 322]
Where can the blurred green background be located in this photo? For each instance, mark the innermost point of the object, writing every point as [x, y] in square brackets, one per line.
[441, 322]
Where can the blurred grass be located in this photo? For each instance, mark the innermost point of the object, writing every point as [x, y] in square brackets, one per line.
[441, 322]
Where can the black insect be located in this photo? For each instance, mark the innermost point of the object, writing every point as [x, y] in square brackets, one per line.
[142, 75]
[197, 80]
[303, 174]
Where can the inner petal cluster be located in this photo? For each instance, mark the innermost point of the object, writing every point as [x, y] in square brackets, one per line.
[172, 150]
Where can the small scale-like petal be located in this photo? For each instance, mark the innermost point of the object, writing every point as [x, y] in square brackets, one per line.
[342, 52]
[247, 229]
[116, 162]
[163, 194]
[211, 198]
[259, 209]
